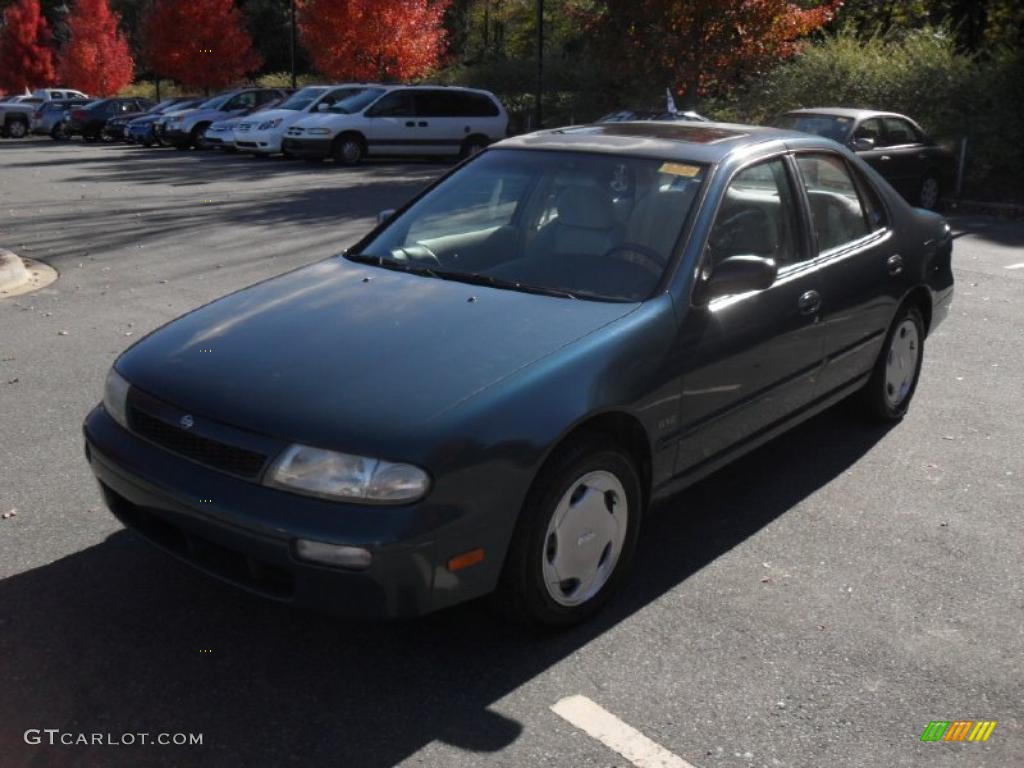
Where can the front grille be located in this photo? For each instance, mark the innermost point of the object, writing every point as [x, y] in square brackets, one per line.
[212, 453]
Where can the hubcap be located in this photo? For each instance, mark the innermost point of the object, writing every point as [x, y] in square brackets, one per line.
[17, 130]
[584, 538]
[351, 151]
[901, 363]
[929, 193]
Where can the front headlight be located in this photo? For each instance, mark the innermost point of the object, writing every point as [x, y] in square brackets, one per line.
[318, 472]
[266, 126]
[115, 397]
[318, 131]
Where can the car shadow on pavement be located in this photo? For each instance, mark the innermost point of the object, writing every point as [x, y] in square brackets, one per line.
[120, 639]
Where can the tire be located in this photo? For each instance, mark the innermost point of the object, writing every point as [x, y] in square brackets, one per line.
[147, 143]
[472, 146]
[348, 149]
[887, 395]
[57, 132]
[929, 192]
[195, 136]
[17, 129]
[591, 477]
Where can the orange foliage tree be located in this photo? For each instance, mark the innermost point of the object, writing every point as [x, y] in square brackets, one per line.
[26, 48]
[97, 59]
[691, 45]
[373, 39]
[199, 43]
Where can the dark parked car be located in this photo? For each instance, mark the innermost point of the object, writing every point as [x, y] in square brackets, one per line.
[50, 117]
[894, 145]
[90, 119]
[486, 392]
[116, 128]
[143, 130]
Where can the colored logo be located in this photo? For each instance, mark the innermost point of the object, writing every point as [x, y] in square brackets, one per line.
[958, 730]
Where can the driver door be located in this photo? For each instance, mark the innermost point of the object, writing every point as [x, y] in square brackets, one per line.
[754, 357]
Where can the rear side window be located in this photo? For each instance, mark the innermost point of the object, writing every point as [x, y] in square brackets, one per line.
[757, 216]
[837, 210]
[476, 105]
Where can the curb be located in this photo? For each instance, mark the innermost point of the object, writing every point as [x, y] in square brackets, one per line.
[1003, 210]
[12, 271]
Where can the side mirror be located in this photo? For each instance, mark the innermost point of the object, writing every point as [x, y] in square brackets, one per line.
[738, 274]
[385, 215]
[862, 144]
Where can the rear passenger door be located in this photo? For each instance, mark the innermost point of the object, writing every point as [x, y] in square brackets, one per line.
[437, 124]
[391, 128]
[905, 150]
[756, 355]
[856, 255]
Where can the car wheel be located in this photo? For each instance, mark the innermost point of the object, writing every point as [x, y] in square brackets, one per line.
[474, 145]
[57, 132]
[196, 137]
[147, 143]
[575, 537]
[893, 381]
[348, 150]
[16, 129]
[930, 192]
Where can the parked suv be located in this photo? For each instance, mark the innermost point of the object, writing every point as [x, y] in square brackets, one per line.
[400, 120]
[53, 94]
[16, 114]
[264, 136]
[186, 128]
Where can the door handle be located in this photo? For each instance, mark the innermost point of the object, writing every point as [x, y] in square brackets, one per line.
[894, 265]
[410, 124]
[423, 123]
[809, 303]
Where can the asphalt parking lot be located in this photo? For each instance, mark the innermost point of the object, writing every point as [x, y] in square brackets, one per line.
[815, 604]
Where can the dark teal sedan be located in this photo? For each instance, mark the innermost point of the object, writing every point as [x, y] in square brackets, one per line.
[486, 393]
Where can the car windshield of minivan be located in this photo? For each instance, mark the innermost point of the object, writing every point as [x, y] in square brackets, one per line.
[570, 224]
[830, 126]
[360, 99]
[302, 99]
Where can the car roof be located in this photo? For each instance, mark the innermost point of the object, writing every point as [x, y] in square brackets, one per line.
[692, 141]
[853, 113]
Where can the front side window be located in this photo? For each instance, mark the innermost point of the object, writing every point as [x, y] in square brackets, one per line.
[394, 104]
[871, 129]
[837, 212]
[594, 226]
[757, 216]
[899, 131]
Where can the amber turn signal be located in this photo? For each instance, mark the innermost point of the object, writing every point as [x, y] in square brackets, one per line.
[466, 559]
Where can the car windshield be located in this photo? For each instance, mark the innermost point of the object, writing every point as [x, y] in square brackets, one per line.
[832, 127]
[215, 102]
[571, 224]
[302, 99]
[359, 100]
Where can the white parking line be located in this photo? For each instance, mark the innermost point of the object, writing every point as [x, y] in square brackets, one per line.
[1016, 266]
[602, 725]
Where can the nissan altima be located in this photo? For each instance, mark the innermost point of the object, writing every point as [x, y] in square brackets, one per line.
[486, 393]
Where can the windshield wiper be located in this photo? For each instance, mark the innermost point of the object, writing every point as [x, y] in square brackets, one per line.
[473, 278]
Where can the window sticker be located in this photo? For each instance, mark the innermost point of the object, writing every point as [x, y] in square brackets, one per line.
[680, 169]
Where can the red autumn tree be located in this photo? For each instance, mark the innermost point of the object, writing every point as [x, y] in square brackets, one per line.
[373, 39]
[199, 43]
[26, 48]
[690, 45]
[97, 58]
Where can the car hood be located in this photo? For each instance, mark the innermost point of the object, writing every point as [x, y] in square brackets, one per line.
[345, 355]
[287, 116]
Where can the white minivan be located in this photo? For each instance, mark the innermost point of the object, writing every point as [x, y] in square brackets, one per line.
[400, 120]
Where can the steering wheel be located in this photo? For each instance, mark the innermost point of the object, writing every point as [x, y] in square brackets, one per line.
[638, 255]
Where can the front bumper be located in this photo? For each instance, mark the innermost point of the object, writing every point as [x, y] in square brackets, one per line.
[258, 142]
[306, 147]
[243, 533]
